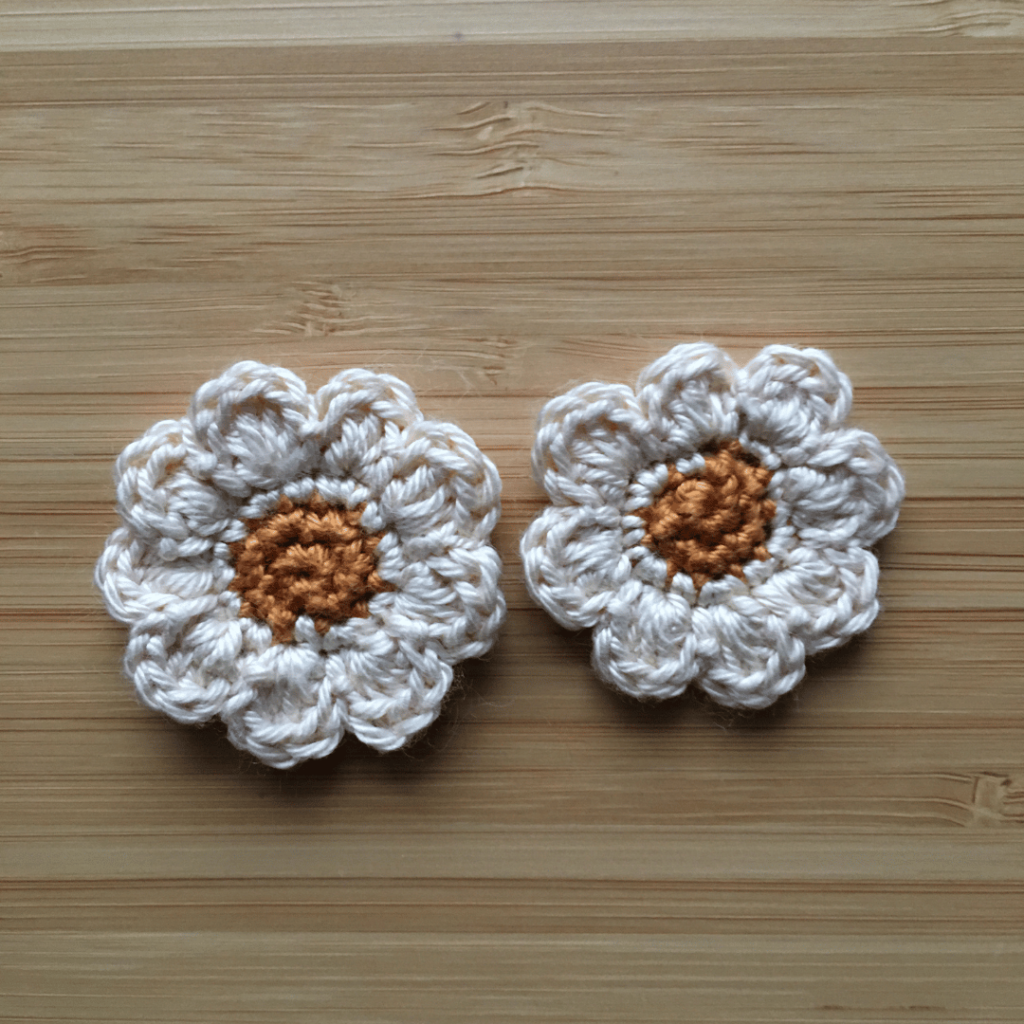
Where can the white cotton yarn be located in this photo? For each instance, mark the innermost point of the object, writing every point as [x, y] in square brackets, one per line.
[603, 452]
[190, 488]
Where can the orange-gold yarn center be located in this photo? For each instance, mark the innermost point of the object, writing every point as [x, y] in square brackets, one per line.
[710, 523]
[307, 559]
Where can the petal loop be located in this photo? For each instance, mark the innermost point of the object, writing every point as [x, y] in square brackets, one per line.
[645, 645]
[792, 400]
[575, 561]
[687, 399]
[588, 444]
[163, 502]
[253, 427]
[356, 412]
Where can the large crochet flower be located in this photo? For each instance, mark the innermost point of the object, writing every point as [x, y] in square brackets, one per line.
[301, 565]
[714, 525]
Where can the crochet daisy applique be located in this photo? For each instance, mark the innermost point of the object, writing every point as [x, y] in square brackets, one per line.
[712, 526]
[303, 565]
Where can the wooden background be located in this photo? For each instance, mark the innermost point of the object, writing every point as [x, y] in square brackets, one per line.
[494, 200]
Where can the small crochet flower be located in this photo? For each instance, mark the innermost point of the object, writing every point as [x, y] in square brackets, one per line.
[714, 525]
[301, 565]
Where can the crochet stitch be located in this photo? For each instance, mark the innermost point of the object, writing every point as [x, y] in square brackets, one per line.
[714, 525]
[301, 565]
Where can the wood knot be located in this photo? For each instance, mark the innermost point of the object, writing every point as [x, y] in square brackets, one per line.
[712, 522]
[306, 559]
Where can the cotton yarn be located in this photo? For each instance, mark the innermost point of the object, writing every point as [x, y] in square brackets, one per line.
[302, 565]
[713, 526]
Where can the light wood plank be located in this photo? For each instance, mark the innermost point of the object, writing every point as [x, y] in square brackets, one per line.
[96, 24]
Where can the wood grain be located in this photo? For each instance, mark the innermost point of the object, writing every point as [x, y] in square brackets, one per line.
[77, 24]
[493, 201]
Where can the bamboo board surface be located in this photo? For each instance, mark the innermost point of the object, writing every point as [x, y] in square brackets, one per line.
[494, 201]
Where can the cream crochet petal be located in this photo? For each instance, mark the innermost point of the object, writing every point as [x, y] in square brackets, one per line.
[825, 596]
[441, 484]
[357, 410]
[254, 428]
[389, 691]
[645, 644]
[589, 444]
[185, 673]
[791, 401]
[758, 658]
[161, 499]
[449, 600]
[687, 400]
[575, 561]
[848, 493]
[281, 708]
[137, 582]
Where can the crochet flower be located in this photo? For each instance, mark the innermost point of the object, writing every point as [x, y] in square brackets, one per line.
[301, 565]
[714, 525]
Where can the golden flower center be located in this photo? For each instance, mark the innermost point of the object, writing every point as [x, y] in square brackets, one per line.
[307, 559]
[710, 523]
